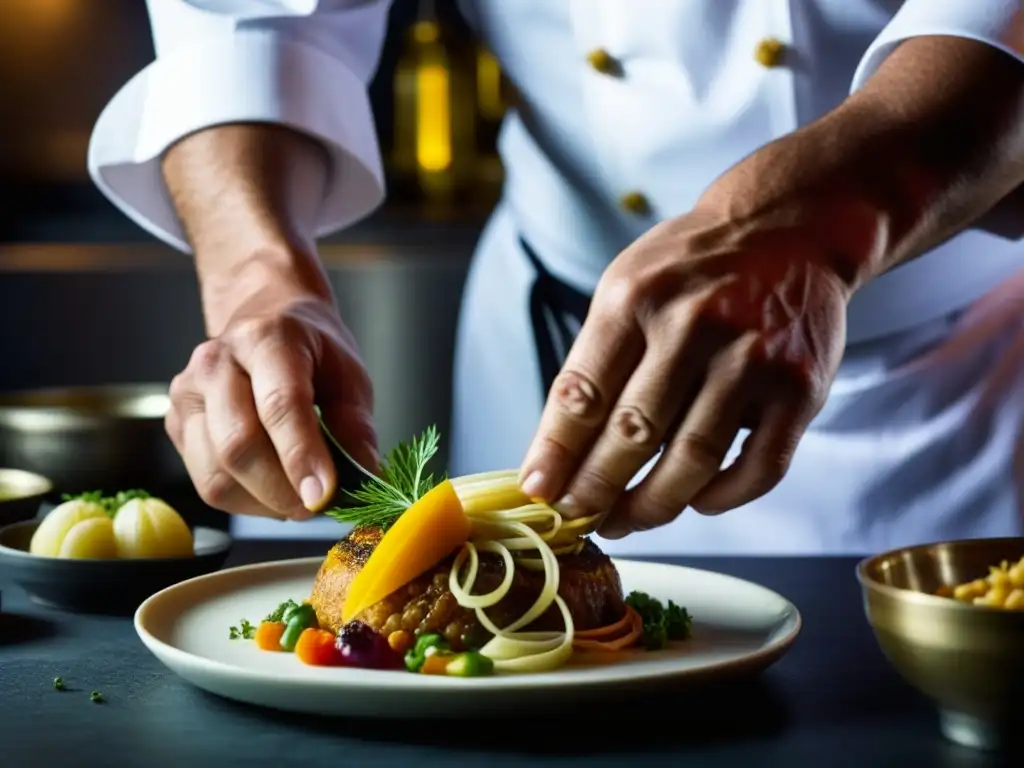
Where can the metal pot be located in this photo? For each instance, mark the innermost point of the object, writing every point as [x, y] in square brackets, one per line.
[104, 438]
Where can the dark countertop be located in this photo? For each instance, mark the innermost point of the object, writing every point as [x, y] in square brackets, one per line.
[831, 701]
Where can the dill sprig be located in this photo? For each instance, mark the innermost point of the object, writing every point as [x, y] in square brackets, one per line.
[381, 499]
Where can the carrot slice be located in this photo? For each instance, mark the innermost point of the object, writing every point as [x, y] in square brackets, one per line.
[619, 644]
[609, 629]
[425, 534]
[316, 648]
[268, 635]
[435, 665]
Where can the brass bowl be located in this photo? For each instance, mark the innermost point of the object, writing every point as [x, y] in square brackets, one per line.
[968, 659]
[87, 438]
[21, 494]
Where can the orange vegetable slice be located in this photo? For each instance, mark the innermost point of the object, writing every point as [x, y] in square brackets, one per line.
[425, 534]
[315, 647]
[621, 643]
[268, 635]
[435, 665]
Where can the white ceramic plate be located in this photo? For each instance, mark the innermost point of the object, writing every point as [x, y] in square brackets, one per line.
[739, 628]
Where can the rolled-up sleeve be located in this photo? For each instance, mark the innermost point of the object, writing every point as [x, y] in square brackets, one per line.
[304, 64]
[994, 22]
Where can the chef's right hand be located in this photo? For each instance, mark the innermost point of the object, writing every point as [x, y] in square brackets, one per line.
[242, 412]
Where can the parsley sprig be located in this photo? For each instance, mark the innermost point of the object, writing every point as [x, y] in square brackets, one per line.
[110, 503]
[244, 631]
[661, 622]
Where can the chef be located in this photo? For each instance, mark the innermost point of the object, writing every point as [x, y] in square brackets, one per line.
[754, 284]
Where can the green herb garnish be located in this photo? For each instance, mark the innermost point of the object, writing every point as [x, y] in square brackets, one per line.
[96, 697]
[279, 612]
[381, 500]
[244, 631]
[661, 623]
[58, 683]
[110, 503]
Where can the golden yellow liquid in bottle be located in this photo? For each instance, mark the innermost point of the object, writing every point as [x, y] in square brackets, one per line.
[434, 141]
[489, 97]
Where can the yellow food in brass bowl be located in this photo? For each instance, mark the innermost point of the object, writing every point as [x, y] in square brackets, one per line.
[1003, 587]
[967, 657]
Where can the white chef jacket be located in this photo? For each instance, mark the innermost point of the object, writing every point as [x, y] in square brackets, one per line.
[690, 100]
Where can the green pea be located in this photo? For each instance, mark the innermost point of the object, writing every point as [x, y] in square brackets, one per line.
[416, 655]
[304, 612]
[470, 664]
[299, 618]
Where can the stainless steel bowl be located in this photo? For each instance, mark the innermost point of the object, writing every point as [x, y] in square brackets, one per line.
[21, 494]
[108, 438]
[968, 659]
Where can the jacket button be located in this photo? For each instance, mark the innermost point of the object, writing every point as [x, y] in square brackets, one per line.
[635, 203]
[604, 62]
[769, 52]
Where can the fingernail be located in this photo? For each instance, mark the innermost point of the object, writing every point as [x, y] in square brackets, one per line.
[534, 483]
[311, 491]
[569, 506]
[613, 531]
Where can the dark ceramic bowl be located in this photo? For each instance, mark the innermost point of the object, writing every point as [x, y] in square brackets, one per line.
[116, 586]
[21, 495]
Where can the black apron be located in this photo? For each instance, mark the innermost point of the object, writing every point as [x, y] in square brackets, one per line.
[557, 310]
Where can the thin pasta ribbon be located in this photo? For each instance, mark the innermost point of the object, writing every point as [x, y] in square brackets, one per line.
[539, 530]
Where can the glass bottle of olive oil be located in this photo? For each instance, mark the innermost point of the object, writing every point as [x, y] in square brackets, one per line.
[434, 149]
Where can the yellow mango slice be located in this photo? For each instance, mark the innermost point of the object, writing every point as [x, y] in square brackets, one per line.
[425, 534]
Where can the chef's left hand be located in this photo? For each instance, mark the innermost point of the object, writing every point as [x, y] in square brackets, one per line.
[704, 326]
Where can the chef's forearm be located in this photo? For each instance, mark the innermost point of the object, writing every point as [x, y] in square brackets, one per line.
[248, 197]
[929, 144]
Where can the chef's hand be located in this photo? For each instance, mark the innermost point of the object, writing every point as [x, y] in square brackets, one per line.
[705, 325]
[242, 413]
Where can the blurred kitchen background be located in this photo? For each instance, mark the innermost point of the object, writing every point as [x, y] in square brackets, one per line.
[87, 298]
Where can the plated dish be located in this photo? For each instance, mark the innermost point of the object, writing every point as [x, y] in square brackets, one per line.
[739, 629]
[465, 576]
[455, 578]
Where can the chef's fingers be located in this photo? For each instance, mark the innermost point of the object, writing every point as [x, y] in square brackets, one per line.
[239, 441]
[173, 428]
[605, 353]
[280, 366]
[213, 483]
[645, 411]
[691, 459]
[763, 462]
[186, 401]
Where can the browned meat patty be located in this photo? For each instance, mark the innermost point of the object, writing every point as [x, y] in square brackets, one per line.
[589, 584]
